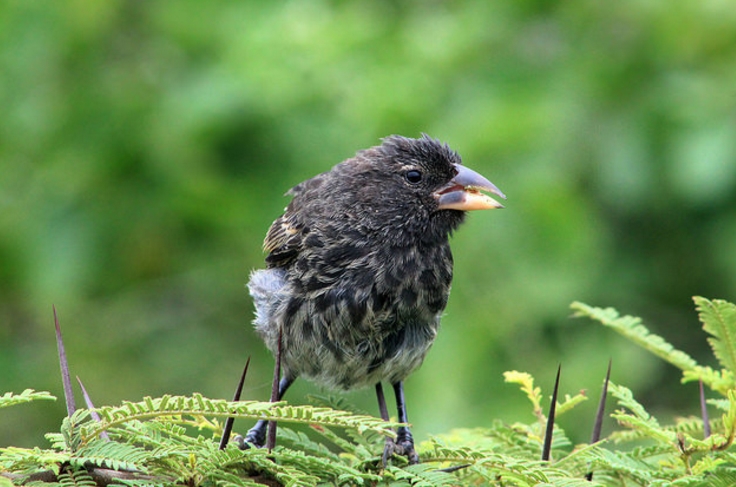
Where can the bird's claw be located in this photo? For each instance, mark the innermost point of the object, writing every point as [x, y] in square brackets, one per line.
[403, 445]
[255, 437]
[241, 442]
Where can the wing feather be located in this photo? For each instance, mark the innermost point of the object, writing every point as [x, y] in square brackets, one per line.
[285, 237]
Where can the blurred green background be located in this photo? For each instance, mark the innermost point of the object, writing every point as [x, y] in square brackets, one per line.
[145, 148]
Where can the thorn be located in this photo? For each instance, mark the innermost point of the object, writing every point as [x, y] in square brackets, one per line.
[601, 407]
[547, 447]
[704, 411]
[271, 436]
[91, 407]
[598, 424]
[231, 419]
[64, 365]
[383, 410]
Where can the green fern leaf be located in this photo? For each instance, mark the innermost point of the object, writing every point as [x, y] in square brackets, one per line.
[638, 418]
[26, 461]
[10, 399]
[324, 468]
[569, 403]
[422, 475]
[632, 328]
[198, 406]
[724, 477]
[79, 478]
[296, 440]
[720, 381]
[112, 455]
[719, 319]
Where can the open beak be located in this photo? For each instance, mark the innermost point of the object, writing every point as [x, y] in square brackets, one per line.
[463, 192]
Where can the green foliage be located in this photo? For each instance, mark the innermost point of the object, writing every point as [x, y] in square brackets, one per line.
[719, 320]
[28, 395]
[632, 328]
[172, 440]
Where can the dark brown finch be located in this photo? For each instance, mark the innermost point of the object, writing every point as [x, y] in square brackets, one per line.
[359, 269]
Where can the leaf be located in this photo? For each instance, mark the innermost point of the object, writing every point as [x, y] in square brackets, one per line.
[10, 399]
[639, 419]
[721, 381]
[197, 405]
[632, 328]
[719, 319]
[526, 381]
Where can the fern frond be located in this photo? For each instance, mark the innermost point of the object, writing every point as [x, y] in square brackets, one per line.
[569, 403]
[56, 440]
[721, 404]
[722, 477]
[632, 328]
[324, 468]
[513, 471]
[516, 439]
[691, 425]
[421, 475]
[707, 464]
[620, 465]
[112, 455]
[720, 381]
[334, 402]
[76, 478]
[638, 419]
[231, 467]
[360, 450]
[26, 461]
[291, 476]
[364, 444]
[198, 405]
[296, 440]
[526, 381]
[436, 450]
[9, 399]
[719, 320]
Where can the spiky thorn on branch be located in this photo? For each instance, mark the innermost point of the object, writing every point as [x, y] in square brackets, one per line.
[64, 365]
[91, 407]
[598, 424]
[547, 447]
[101, 476]
[236, 397]
[704, 411]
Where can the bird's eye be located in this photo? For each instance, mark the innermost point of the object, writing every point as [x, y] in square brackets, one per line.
[413, 176]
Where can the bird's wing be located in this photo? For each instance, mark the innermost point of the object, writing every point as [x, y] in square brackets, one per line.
[285, 238]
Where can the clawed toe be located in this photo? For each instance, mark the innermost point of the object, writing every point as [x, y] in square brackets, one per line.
[255, 437]
[403, 445]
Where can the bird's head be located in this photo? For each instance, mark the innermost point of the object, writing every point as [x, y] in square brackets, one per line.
[419, 185]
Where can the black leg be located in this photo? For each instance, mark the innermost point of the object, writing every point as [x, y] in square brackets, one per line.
[404, 443]
[388, 449]
[404, 440]
[381, 402]
[257, 434]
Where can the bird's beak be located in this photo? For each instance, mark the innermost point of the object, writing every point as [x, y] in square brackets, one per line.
[463, 192]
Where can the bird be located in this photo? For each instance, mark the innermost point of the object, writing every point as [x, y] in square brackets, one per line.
[359, 268]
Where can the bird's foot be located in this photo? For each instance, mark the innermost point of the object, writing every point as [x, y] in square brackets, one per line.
[255, 437]
[403, 445]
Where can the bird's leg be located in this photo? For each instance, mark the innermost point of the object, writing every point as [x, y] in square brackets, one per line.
[388, 449]
[257, 434]
[404, 440]
[404, 443]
